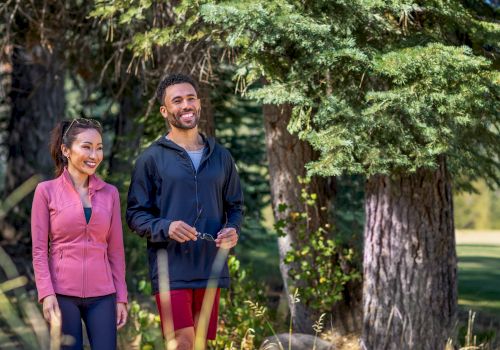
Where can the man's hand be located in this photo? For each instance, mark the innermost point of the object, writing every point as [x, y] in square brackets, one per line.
[181, 232]
[121, 315]
[227, 238]
[51, 311]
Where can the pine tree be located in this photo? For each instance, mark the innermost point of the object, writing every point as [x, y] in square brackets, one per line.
[404, 93]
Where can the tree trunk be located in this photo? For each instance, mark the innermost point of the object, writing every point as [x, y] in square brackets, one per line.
[410, 264]
[5, 105]
[37, 103]
[287, 156]
[207, 123]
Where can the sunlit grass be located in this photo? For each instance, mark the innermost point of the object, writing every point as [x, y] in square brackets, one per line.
[479, 277]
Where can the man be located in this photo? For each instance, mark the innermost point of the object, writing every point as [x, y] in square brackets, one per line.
[185, 197]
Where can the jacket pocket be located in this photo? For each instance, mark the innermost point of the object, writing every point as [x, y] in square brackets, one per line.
[66, 270]
[98, 270]
[59, 264]
[108, 269]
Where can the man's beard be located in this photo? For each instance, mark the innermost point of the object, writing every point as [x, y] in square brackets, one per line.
[175, 121]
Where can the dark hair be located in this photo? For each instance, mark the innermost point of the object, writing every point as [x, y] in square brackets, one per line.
[65, 133]
[173, 79]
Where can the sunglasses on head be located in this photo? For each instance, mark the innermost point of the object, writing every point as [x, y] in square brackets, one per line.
[82, 121]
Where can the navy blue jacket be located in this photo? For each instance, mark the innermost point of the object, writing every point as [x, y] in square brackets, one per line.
[165, 187]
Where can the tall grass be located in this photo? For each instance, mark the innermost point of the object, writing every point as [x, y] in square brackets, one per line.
[24, 326]
[201, 328]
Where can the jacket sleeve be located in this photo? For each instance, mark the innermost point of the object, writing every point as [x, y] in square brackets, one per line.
[116, 253]
[40, 226]
[142, 214]
[233, 196]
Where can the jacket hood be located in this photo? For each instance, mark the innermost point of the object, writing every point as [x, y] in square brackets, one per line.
[208, 141]
[95, 183]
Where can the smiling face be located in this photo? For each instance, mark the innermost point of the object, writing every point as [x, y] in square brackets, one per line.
[181, 107]
[85, 153]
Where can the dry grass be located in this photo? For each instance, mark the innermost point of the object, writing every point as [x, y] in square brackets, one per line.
[342, 342]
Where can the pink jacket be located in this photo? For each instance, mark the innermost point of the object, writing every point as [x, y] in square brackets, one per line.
[83, 260]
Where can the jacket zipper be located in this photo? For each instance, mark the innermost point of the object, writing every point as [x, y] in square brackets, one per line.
[84, 262]
[86, 239]
[195, 173]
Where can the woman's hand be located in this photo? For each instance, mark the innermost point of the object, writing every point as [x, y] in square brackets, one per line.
[121, 315]
[51, 311]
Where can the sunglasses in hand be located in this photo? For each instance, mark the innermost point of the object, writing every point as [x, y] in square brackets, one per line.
[202, 235]
[205, 236]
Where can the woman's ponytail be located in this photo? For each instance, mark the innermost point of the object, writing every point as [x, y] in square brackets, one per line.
[56, 140]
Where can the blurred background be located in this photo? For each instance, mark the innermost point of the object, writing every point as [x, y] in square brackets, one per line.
[103, 59]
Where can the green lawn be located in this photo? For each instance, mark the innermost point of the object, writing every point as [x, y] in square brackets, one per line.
[479, 277]
[478, 267]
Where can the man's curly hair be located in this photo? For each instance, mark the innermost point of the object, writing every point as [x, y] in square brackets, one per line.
[172, 79]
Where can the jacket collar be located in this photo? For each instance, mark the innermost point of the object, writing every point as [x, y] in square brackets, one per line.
[208, 141]
[95, 183]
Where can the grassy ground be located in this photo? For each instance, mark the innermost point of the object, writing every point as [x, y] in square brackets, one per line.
[478, 279]
[478, 267]
[479, 271]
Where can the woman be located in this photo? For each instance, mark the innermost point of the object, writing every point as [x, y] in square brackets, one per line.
[76, 229]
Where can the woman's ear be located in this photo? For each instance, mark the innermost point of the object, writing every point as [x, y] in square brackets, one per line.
[64, 151]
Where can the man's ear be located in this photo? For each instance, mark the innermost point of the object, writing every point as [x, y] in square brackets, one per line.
[163, 111]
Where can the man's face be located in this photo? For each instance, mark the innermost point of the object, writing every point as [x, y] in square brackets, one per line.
[181, 107]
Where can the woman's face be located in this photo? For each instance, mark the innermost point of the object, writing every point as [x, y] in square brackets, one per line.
[86, 152]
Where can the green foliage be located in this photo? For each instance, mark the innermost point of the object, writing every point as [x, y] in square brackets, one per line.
[143, 328]
[242, 318]
[377, 87]
[236, 317]
[383, 91]
[239, 127]
[319, 266]
[477, 211]
[349, 210]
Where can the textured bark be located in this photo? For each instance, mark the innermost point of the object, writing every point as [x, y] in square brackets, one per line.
[37, 103]
[5, 105]
[410, 287]
[207, 122]
[287, 157]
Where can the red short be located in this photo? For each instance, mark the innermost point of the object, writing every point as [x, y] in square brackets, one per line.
[186, 307]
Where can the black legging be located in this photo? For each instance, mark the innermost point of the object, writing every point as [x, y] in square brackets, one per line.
[99, 315]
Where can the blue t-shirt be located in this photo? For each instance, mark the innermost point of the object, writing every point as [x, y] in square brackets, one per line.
[196, 157]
